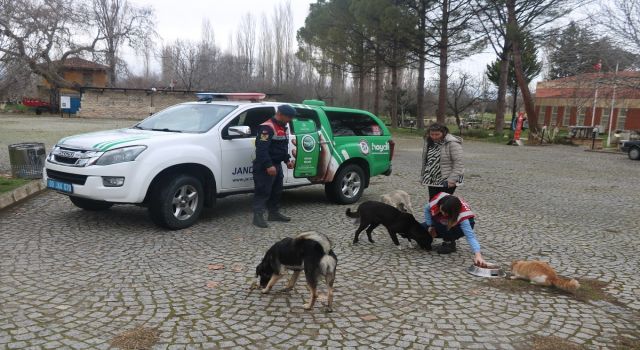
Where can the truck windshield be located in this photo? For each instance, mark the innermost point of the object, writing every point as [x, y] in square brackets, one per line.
[191, 118]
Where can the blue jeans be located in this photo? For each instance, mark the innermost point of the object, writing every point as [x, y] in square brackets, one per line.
[450, 235]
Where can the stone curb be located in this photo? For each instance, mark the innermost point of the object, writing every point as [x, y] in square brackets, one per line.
[605, 151]
[21, 193]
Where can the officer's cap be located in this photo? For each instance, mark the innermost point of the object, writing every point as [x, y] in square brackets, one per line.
[287, 110]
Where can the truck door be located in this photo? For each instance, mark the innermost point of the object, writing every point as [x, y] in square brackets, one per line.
[238, 153]
[307, 148]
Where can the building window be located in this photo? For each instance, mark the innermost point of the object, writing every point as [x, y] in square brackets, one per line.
[580, 116]
[622, 118]
[604, 119]
[87, 79]
[566, 118]
[554, 115]
[542, 114]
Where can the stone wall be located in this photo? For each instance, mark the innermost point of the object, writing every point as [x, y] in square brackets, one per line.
[130, 104]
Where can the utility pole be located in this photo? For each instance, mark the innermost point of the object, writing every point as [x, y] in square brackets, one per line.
[597, 67]
[613, 104]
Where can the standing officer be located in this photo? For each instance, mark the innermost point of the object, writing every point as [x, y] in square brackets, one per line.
[272, 148]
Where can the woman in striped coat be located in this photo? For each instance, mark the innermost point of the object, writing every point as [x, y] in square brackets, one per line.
[442, 168]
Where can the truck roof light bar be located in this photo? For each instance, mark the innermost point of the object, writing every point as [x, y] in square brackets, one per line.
[231, 96]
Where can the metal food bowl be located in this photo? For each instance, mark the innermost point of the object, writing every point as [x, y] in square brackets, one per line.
[491, 271]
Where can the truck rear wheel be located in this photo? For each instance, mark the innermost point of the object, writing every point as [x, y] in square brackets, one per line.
[177, 201]
[90, 204]
[347, 186]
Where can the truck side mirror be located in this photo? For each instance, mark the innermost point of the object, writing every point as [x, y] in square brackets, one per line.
[239, 131]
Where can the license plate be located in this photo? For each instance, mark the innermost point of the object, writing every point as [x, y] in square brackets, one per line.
[60, 186]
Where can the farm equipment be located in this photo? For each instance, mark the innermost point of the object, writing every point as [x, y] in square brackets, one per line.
[38, 105]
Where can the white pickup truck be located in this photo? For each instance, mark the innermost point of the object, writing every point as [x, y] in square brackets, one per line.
[184, 157]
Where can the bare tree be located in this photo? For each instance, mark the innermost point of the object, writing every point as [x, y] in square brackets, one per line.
[464, 92]
[245, 45]
[120, 22]
[530, 16]
[452, 36]
[42, 35]
[265, 52]
[282, 39]
[621, 18]
[16, 80]
[492, 16]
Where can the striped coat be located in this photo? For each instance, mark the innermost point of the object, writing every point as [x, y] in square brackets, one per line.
[451, 165]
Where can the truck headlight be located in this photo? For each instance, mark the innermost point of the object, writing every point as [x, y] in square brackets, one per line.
[120, 155]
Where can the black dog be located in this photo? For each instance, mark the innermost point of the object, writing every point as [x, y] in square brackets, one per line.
[372, 214]
[308, 251]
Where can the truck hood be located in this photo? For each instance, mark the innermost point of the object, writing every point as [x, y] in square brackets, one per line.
[105, 140]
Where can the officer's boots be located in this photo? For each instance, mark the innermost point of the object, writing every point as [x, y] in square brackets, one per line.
[277, 216]
[258, 220]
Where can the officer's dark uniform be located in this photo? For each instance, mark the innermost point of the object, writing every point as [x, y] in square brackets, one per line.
[272, 149]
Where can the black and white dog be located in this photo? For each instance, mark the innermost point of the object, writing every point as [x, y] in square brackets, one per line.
[308, 251]
[371, 214]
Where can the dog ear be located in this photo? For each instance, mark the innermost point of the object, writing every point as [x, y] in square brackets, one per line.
[402, 207]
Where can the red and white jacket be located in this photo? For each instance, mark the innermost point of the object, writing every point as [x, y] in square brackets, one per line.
[434, 208]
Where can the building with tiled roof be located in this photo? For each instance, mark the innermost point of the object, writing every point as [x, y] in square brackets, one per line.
[569, 101]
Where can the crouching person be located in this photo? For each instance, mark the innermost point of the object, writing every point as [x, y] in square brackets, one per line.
[449, 218]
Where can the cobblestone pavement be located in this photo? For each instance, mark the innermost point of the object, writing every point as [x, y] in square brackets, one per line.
[74, 279]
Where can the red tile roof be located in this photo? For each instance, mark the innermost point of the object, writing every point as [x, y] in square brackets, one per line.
[81, 63]
[584, 85]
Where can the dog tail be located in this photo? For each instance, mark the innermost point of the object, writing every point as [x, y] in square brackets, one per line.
[351, 214]
[567, 284]
[321, 239]
[328, 264]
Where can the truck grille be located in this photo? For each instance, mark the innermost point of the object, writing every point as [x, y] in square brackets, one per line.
[65, 160]
[66, 177]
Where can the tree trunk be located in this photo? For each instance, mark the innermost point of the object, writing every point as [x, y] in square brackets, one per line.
[111, 71]
[421, 66]
[512, 26]
[502, 88]
[394, 96]
[378, 86]
[444, 48]
[361, 79]
[515, 103]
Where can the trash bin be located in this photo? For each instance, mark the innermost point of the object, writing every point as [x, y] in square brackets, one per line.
[27, 159]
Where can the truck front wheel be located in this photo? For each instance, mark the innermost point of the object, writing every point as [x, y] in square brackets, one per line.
[176, 202]
[634, 153]
[347, 186]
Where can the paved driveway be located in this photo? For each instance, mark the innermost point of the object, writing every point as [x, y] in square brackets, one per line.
[77, 279]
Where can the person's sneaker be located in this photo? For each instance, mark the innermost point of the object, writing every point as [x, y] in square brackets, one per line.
[258, 220]
[447, 248]
[277, 216]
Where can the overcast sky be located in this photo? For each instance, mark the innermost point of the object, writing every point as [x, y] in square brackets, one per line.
[183, 19]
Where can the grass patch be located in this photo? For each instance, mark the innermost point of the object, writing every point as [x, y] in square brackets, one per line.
[406, 132]
[553, 343]
[10, 184]
[625, 343]
[590, 289]
[16, 108]
[139, 338]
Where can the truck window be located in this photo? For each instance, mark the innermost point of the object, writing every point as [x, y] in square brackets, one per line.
[307, 114]
[252, 118]
[352, 124]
